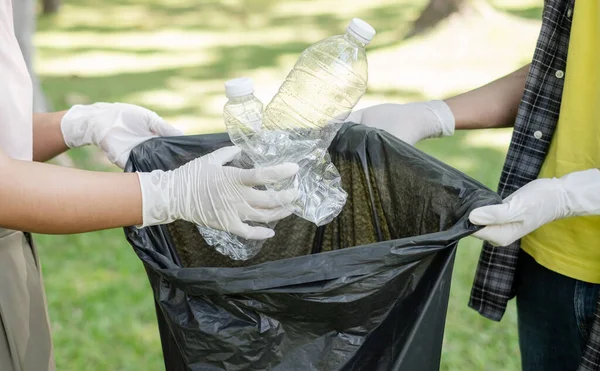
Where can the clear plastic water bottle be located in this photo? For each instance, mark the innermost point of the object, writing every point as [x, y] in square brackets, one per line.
[317, 96]
[243, 115]
[298, 126]
[243, 118]
[243, 111]
[325, 84]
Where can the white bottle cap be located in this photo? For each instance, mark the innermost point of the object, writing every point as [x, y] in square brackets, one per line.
[239, 87]
[361, 30]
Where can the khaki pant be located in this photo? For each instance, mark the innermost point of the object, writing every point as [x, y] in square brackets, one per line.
[25, 342]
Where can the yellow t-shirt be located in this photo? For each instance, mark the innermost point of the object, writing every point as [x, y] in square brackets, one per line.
[572, 246]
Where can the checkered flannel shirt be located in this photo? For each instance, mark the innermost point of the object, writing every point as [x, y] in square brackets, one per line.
[534, 127]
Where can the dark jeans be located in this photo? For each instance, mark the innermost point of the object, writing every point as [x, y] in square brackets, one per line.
[555, 314]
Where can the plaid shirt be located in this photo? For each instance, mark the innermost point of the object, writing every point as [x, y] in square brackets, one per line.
[534, 127]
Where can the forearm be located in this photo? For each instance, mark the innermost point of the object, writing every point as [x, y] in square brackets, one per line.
[43, 198]
[48, 141]
[493, 105]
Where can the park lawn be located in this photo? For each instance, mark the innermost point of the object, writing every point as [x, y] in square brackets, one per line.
[173, 57]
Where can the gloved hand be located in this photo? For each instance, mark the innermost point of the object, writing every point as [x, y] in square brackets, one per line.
[538, 203]
[206, 193]
[114, 127]
[411, 122]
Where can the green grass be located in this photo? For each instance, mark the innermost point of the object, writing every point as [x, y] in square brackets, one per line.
[173, 57]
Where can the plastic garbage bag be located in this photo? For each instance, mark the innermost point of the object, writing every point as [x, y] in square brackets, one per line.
[368, 291]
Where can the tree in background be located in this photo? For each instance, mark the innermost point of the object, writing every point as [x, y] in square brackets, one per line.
[50, 6]
[437, 11]
[24, 13]
[433, 13]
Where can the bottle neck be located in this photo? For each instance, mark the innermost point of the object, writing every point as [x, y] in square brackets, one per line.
[242, 99]
[354, 40]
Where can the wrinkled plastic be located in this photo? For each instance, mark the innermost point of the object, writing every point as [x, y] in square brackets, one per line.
[243, 118]
[369, 291]
[298, 126]
[243, 121]
[316, 97]
[302, 119]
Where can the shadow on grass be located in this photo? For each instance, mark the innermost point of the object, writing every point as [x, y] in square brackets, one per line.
[532, 12]
[115, 16]
[227, 60]
[122, 16]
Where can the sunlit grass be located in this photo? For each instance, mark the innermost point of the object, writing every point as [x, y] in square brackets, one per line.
[433, 66]
[498, 139]
[173, 56]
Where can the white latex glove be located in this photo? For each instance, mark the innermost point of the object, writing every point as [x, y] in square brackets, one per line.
[411, 122]
[206, 193]
[538, 203]
[114, 127]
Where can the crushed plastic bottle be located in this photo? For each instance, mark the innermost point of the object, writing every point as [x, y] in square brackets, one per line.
[298, 126]
[243, 119]
[317, 96]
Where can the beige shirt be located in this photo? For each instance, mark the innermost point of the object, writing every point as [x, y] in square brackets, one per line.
[16, 137]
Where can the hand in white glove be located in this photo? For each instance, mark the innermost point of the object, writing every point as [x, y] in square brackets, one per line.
[206, 193]
[411, 122]
[114, 127]
[538, 203]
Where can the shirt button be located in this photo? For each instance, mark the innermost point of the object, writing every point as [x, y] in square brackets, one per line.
[537, 134]
[559, 74]
[569, 12]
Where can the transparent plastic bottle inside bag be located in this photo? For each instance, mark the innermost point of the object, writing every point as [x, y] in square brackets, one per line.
[298, 126]
[243, 118]
[317, 96]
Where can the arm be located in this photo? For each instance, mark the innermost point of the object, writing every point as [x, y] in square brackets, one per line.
[493, 105]
[43, 198]
[48, 140]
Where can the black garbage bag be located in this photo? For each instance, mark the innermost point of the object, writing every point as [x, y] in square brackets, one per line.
[369, 291]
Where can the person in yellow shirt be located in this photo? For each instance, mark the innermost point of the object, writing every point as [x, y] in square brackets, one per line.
[566, 246]
[543, 242]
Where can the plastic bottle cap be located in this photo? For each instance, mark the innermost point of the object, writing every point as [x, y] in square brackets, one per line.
[361, 30]
[239, 87]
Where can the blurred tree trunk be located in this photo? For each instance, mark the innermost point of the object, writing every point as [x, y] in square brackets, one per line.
[435, 12]
[50, 6]
[25, 25]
